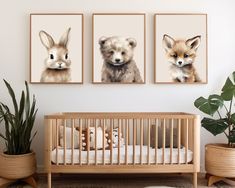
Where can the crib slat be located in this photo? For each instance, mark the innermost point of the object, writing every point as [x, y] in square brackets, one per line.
[111, 148]
[119, 139]
[80, 142]
[57, 140]
[49, 139]
[156, 140]
[179, 139]
[88, 140]
[149, 122]
[163, 141]
[103, 141]
[64, 142]
[72, 141]
[186, 149]
[141, 141]
[122, 127]
[94, 123]
[129, 131]
[171, 140]
[134, 140]
[127, 139]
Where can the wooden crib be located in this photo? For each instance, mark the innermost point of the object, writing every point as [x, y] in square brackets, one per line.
[145, 143]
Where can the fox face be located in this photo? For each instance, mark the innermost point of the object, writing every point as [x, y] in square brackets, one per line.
[181, 52]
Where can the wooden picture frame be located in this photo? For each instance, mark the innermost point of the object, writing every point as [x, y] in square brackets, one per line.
[56, 48]
[124, 30]
[180, 48]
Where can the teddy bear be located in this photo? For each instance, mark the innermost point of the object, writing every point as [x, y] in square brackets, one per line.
[118, 56]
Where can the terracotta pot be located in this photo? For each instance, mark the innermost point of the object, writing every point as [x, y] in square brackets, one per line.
[220, 160]
[17, 166]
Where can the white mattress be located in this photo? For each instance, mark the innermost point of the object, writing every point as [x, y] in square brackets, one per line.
[122, 155]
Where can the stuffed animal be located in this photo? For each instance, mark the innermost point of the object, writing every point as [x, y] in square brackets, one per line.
[91, 136]
[115, 138]
[68, 133]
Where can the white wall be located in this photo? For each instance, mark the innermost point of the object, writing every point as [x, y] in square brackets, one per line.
[14, 61]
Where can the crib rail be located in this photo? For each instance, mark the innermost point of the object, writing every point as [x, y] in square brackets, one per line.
[122, 140]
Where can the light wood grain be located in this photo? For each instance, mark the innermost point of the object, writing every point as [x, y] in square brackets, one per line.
[72, 140]
[134, 139]
[179, 139]
[219, 160]
[103, 122]
[171, 139]
[80, 142]
[163, 140]
[141, 141]
[129, 124]
[156, 140]
[148, 150]
[127, 139]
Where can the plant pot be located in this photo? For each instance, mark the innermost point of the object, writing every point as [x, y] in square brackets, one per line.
[17, 166]
[220, 160]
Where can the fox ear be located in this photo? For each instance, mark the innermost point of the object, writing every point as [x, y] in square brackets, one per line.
[168, 42]
[194, 42]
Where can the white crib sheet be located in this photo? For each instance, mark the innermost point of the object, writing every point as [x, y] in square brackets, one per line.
[122, 155]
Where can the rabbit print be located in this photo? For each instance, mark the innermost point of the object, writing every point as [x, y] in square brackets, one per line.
[57, 63]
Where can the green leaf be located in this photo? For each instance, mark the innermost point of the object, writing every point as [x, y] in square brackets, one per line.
[27, 101]
[22, 105]
[228, 90]
[215, 126]
[233, 118]
[1, 135]
[12, 94]
[209, 106]
[228, 94]
[18, 125]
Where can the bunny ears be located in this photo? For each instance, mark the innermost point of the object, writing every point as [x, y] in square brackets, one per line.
[48, 41]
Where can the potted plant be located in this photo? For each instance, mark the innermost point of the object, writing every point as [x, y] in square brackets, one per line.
[18, 161]
[220, 158]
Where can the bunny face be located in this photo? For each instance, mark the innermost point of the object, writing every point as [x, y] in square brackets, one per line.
[58, 56]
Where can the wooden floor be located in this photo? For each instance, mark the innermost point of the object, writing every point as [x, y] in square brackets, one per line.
[120, 181]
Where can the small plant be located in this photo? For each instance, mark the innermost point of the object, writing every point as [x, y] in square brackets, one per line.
[220, 108]
[18, 124]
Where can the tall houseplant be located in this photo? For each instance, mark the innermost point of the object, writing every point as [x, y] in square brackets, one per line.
[220, 109]
[18, 161]
[219, 158]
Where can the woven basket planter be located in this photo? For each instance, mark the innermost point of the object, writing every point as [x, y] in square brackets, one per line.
[17, 166]
[220, 160]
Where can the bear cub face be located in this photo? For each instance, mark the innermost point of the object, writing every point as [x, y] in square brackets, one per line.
[117, 51]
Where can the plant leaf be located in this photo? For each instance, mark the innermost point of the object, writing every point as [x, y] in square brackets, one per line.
[215, 126]
[18, 125]
[228, 90]
[209, 106]
[12, 94]
[22, 105]
[233, 118]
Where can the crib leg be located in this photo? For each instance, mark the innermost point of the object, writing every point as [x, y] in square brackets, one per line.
[49, 180]
[195, 179]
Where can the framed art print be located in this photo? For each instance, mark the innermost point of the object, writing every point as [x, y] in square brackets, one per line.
[56, 48]
[119, 48]
[181, 48]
